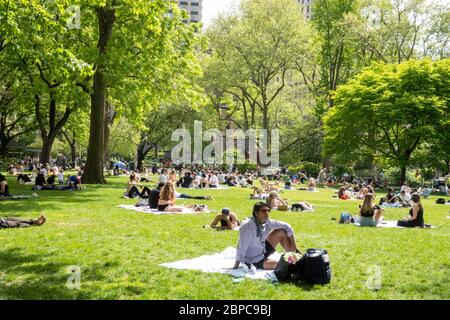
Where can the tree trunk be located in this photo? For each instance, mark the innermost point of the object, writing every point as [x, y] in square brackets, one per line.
[403, 174]
[93, 172]
[47, 144]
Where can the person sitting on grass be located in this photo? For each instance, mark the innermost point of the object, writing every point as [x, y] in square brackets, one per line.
[389, 198]
[132, 188]
[4, 188]
[21, 223]
[227, 219]
[415, 218]
[312, 184]
[274, 201]
[362, 193]
[404, 199]
[167, 199]
[342, 193]
[23, 178]
[259, 237]
[39, 182]
[370, 214]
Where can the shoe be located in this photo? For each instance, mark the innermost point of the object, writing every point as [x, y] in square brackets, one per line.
[210, 198]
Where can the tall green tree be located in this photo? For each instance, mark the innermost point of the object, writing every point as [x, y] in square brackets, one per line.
[253, 53]
[388, 111]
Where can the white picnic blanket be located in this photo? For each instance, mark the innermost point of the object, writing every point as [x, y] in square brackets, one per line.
[388, 224]
[221, 263]
[155, 211]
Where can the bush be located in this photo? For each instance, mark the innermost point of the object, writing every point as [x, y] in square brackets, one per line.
[392, 175]
[311, 168]
[246, 167]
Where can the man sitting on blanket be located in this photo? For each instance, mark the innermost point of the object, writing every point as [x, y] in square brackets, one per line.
[259, 237]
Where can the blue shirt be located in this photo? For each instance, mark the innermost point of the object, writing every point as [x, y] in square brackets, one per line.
[251, 248]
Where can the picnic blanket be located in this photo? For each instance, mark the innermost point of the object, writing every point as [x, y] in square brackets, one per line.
[155, 211]
[393, 224]
[219, 262]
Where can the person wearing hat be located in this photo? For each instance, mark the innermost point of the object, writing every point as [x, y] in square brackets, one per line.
[227, 219]
[259, 237]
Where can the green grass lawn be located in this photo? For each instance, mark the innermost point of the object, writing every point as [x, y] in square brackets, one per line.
[119, 251]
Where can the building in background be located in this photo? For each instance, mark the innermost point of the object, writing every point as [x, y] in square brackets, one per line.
[194, 9]
[307, 8]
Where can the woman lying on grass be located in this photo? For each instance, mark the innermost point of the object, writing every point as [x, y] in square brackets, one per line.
[21, 223]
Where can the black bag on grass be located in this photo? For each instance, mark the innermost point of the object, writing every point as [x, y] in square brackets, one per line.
[313, 267]
[316, 266]
[288, 270]
[440, 201]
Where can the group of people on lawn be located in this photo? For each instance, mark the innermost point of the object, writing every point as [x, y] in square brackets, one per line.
[258, 236]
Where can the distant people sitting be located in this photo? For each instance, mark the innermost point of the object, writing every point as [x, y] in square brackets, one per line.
[425, 192]
[362, 193]
[322, 175]
[204, 183]
[163, 177]
[415, 218]
[342, 194]
[4, 188]
[23, 178]
[312, 184]
[302, 176]
[213, 181]
[51, 181]
[404, 199]
[231, 181]
[167, 199]
[61, 176]
[274, 201]
[132, 188]
[21, 223]
[153, 197]
[370, 214]
[227, 219]
[74, 182]
[390, 198]
[40, 180]
[287, 185]
[243, 182]
[187, 180]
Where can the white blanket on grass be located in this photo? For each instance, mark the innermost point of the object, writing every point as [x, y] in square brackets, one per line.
[155, 211]
[388, 224]
[219, 262]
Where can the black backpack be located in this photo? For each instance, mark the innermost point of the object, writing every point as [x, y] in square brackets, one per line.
[313, 267]
[316, 266]
[440, 201]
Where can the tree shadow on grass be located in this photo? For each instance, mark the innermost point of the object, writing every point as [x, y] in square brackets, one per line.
[32, 276]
